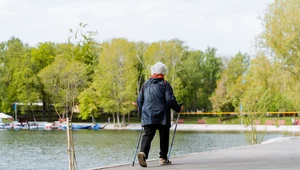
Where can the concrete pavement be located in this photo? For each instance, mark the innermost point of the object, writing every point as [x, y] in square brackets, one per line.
[283, 155]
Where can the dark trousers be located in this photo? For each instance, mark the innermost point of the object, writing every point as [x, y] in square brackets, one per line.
[148, 136]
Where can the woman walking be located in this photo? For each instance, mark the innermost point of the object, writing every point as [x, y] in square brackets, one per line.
[155, 101]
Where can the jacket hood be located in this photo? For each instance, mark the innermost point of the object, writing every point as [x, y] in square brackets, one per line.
[155, 80]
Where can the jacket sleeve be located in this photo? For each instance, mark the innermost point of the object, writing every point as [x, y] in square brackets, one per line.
[171, 99]
[140, 100]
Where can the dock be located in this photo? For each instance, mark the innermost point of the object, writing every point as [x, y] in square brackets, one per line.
[278, 155]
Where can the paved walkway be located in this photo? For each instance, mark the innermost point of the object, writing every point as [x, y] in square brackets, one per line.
[284, 155]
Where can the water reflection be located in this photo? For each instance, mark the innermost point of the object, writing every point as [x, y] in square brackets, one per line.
[35, 150]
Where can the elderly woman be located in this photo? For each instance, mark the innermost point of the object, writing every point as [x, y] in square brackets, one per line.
[155, 101]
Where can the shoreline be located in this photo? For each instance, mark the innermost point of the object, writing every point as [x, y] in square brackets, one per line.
[196, 127]
[214, 127]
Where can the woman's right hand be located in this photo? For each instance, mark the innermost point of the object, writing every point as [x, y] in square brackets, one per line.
[181, 108]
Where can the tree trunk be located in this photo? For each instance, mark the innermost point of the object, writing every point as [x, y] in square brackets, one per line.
[123, 120]
[70, 147]
[118, 119]
[93, 120]
[44, 104]
[114, 118]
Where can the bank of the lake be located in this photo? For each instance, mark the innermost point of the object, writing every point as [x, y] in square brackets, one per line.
[40, 149]
[216, 128]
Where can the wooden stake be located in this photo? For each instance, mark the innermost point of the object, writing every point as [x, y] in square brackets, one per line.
[69, 144]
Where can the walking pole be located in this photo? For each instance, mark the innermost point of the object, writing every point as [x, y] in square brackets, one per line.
[174, 133]
[137, 146]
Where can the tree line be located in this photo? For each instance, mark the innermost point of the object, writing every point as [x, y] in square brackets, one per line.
[101, 77]
[105, 77]
[270, 80]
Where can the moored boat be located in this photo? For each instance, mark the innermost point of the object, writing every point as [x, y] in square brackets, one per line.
[77, 126]
[49, 126]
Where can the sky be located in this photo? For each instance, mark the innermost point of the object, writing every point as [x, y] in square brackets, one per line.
[229, 26]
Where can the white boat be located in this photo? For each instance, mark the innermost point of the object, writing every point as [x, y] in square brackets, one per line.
[16, 125]
[2, 125]
[49, 126]
[36, 125]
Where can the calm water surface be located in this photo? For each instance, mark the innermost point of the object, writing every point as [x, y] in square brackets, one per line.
[36, 150]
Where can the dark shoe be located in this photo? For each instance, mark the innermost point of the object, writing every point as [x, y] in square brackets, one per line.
[142, 159]
[163, 161]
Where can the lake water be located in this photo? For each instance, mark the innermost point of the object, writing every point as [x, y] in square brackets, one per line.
[36, 150]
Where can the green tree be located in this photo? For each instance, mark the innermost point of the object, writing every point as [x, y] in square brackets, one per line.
[63, 81]
[42, 56]
[281, 37]
[85, 48]
[88, 103]
[281, 33]
[211, 70]
[12, 56]
[116, 77]
[257, 95]
[192, 76]
[141, 48]
[25, 85]
[82, 48]
[171, 53]
[229, 87]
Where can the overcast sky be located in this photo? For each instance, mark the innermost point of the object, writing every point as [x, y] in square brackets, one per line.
[228, 25]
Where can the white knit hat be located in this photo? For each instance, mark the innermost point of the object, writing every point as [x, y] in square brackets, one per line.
[159, 68]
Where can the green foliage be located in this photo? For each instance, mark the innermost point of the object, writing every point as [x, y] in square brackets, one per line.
[211, 71]
[42, 56]
[85, 49]
[115, 70]
[63, 81]
[257, 95]
[229, 89]
[13, 59]
[281, 34]
[115, 81]
[88, 103]
[191, 77]
[107, 76]
[141, 49]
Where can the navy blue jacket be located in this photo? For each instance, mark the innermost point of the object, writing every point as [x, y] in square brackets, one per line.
[155, 101]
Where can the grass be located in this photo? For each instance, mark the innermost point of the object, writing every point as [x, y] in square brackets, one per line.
[192, 119]
[188, 119]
